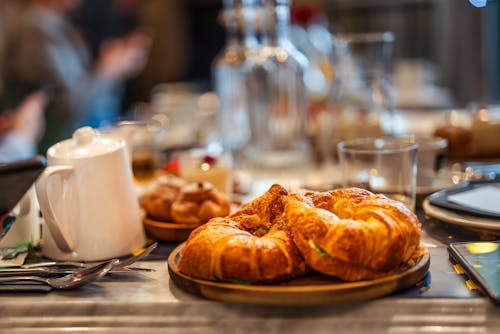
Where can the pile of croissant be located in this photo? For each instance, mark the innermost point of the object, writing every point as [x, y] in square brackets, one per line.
[351, 234]
[172, 199]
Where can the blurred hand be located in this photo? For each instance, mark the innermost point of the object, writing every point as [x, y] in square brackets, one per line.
[28, 120]
[125, 57]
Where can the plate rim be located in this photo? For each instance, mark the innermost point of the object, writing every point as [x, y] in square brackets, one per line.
[169, 225]
[206, 287]
[466, 210]
[461, 219]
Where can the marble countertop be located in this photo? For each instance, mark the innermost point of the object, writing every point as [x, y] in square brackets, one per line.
[150, 302]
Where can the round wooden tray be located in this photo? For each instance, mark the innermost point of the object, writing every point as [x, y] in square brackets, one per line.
[165, 231]
[311, 289]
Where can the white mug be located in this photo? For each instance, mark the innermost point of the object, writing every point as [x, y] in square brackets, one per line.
[26, 228]
[88, 200]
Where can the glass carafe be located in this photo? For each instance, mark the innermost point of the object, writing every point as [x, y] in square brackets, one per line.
[363, 101]
[233, 127]
[277, 101]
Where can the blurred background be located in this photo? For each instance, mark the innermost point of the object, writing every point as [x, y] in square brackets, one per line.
[450, 43]
[444, 54]
[453, 44]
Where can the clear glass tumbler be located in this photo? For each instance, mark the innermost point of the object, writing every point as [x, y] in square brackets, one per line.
[381, 165]
[141, 137]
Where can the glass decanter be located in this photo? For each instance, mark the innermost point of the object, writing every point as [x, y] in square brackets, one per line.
[277, 102]
[229, 79]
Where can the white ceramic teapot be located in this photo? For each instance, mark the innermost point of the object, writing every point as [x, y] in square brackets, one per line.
[88, 200]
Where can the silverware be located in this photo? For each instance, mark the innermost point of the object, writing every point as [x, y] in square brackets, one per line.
[58, 271]
[137, 257]
[70, 281]
[122, 265]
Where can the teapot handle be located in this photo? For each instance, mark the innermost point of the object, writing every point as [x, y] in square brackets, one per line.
[59, 232]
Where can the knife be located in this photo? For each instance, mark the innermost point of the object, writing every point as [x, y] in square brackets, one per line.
[55, 271]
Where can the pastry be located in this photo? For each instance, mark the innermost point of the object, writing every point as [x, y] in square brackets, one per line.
[251, 245]
[198, 202]
[351, 233]
[158, 198]
[172, 199]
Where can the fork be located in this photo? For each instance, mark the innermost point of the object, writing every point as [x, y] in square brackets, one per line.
[70, 281]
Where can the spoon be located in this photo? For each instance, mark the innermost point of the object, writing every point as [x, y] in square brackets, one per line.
[137, 257]
[71, 281]
[120, 264]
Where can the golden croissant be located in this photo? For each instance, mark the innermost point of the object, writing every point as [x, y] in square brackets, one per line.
[352, 233]
[252, 245]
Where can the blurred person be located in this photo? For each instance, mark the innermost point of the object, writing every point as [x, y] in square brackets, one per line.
[104, 19]
[171, 57]
[22, 128]
[44, 49]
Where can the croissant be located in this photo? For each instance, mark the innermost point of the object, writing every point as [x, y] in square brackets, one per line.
[352, 233]
[252, 245]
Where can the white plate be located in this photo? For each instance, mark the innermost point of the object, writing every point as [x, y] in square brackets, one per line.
[462, 219]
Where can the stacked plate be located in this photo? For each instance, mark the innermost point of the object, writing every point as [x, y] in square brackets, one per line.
[475, 206]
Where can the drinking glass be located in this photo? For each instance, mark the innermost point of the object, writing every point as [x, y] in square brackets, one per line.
[141, 137]
[431, 157]
[381, 165]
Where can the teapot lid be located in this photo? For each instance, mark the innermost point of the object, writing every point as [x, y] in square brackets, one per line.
[86, 142]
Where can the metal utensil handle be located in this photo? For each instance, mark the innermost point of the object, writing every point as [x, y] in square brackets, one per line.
[12, 279]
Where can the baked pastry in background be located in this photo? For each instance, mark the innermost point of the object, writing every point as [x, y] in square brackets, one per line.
[171, 199]
[251, 245]
[198, 202]
[158, 198]
[352, 233]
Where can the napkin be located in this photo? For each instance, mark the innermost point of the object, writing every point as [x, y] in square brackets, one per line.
[485, 199]
[15, 261]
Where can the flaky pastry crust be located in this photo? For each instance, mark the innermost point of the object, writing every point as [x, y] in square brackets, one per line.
[158, 198]
[172, 199]
[252, 245]
[352, 233]
[198, 202]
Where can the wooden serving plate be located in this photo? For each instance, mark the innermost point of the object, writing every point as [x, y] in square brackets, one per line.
[311, 289]
[165, 231]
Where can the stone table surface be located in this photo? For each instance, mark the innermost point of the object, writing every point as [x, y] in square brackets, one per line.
[149, 302]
